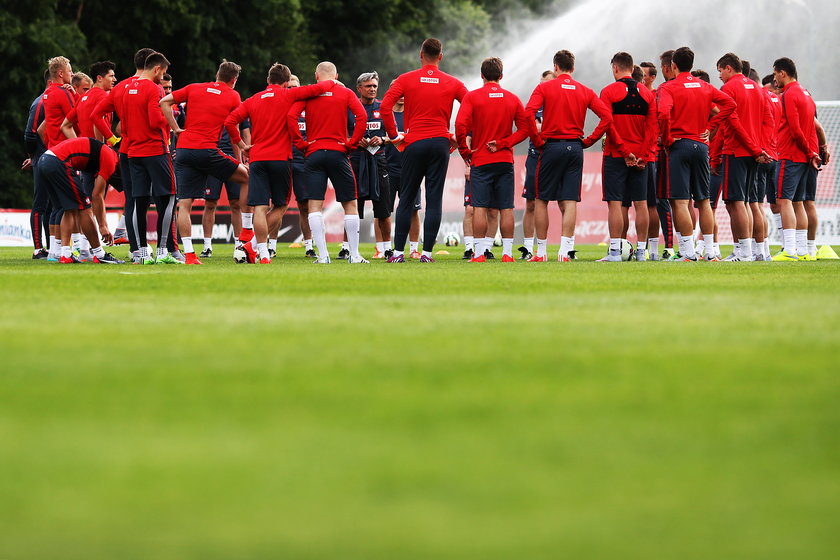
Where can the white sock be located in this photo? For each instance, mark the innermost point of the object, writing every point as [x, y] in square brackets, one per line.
[469, 242]
[307, 244]
[746, 248]
[399, 253]
[529, 244]
[678, 235]
[688, 242]
[380, 246]
[345, 245]
[812, 247]
[717, 249]
[387, 245]
[208, 242]
[248, 220]
[412, 246]
[801, 242]
[488, 243]
[121, 223]
[566, 244]
[709, 242]
[316, 224]
[542, 245]
[66, 251]
[76, 239]
[253, 243]
[351, 226]
[262, 249]
[767, 255]
[736, 248]
[84, 244]
[272, 244]
[507, 246]
[427, 254]
[55, 248]
[789, 243]
[187, 243]
[700, 246]
[615, 246]
[758, 249]
[777, 218]
[653, 243]
[98, 252]
[641, 245]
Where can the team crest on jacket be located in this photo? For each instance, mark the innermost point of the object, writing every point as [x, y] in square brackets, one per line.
[376, 114]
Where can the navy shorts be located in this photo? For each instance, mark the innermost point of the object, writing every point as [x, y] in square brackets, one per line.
[63, 184]
[468, 190]
[492, 185]
[688, 171]
[395, 182]
[810, 192]
[125, 173]
[382, 205]
[299, 178]
[765, 178]
[152, 176]
[270, 181]
[560, 170]
[88, 180]
[529, 191]
[620, 182]
[335, 166]
[738, 177]
[790, 180]
[193, 167]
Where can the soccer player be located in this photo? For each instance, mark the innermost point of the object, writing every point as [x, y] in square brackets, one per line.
[684, 106]
[150, 162]
[57, 170]
[648, 75]
[81, 83]
[560, 169]
[39, 217]
[767, 171]
[371, 167]
[630, 141]
[326, 149]
[528, 191]
[395, 157]
[213, 190]
[299, 187]
[798, 149]
[429, 95]
[490, 113]
[663, 220]
[198, 155]
[114, 103]
[742, 151]
[270, 153]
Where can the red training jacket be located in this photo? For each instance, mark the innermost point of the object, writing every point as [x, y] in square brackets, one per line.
[58, 102]
[326, 121]
[143, 120]
[633, 129]
[797, 134]
[208, 105]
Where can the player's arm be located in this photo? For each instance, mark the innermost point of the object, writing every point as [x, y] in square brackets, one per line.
[292, 125]
[155, 114]
[651, 130]
[166, 104]
[599, 108]
[307, 92]
[103, 108]
[463, 124]
[735, 124]
[525, 128]
[791, 109]
[69, 124]
[361, 120]
[535, 102]
[664, 104]
[768, 123]
[613, 135]
[42, 131]
[386, 110]
[30, 133]
[822, 140]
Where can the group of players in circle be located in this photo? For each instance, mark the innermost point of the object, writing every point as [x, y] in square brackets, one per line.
[664, 148]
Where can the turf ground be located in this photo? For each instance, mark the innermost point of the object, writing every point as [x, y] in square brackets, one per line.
[633, 411]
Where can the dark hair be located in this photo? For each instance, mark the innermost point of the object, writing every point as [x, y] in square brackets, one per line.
[546, 73]
[101, 68]
[684, 59]
[651, 68]
[431, 48]
[785, 65]
[155, 59]
[167, 77]
[623, 60]
[47, 75]
[731, 60]
[491, 69]
[753, 75]
[564, 61]
[745, 70]
[666, 58]
[279, 74]
[228, 71]
[141, 56]
[768, 79]
[701, 74]
[637, 73]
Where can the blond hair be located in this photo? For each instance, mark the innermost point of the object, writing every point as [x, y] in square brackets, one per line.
[57, 64]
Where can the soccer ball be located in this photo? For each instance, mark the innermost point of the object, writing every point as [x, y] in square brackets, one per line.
[626, 250]
[240, 256]
[452, 239]
[497, 241]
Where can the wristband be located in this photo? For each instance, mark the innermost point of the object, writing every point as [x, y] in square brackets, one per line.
[113, 140]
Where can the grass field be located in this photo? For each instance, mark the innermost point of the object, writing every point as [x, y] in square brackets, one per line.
[583, 410]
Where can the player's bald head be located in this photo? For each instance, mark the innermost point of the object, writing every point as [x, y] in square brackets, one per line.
[326, 71]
